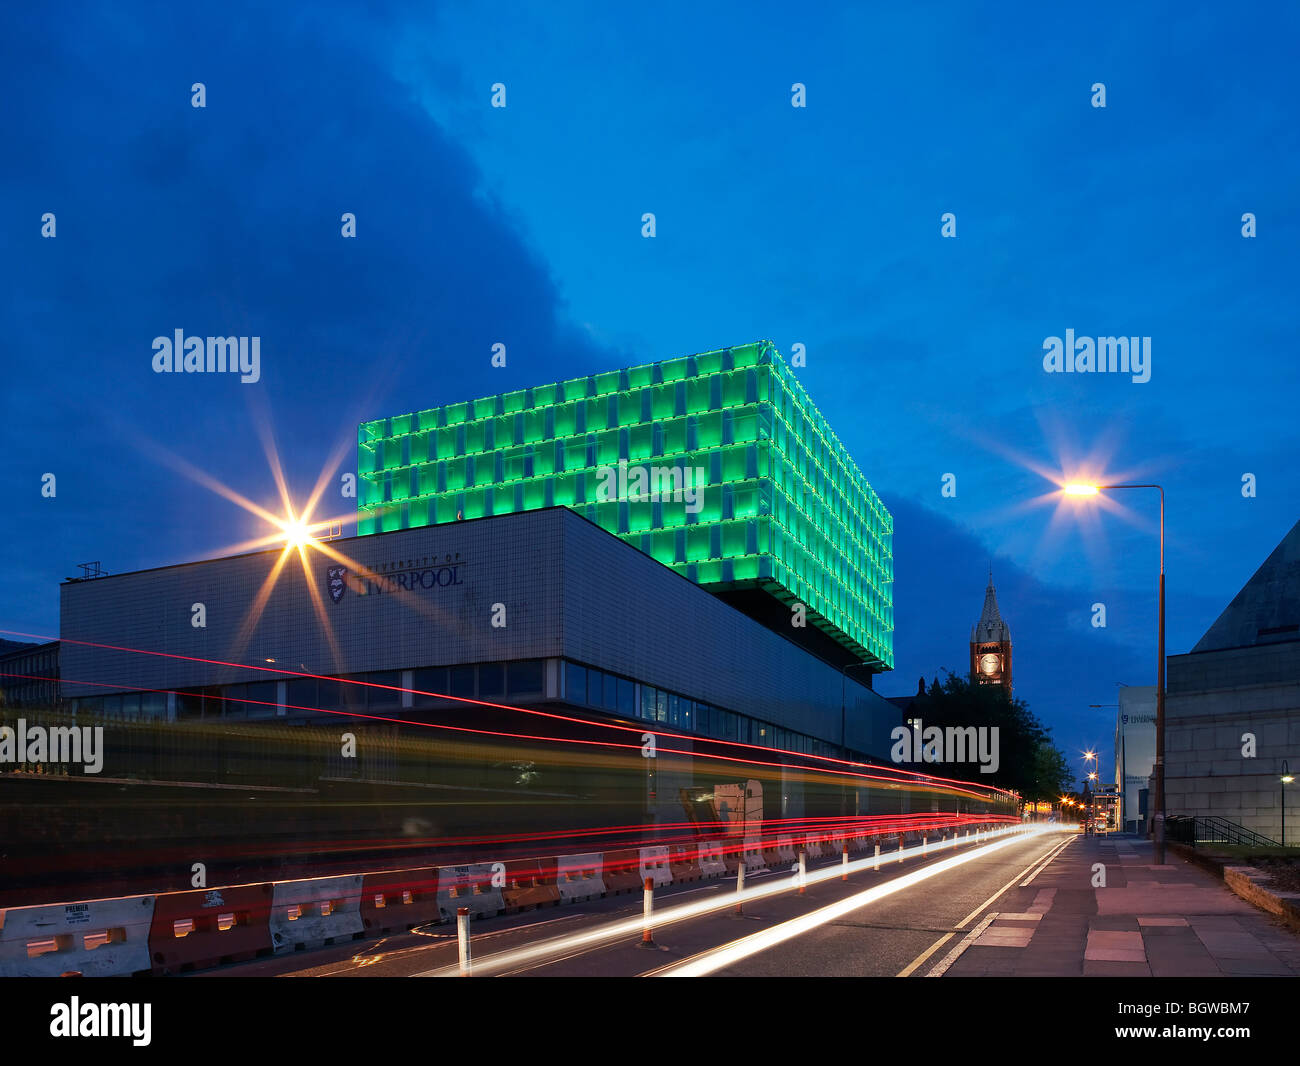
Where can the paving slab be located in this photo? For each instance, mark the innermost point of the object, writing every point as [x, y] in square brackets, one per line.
[1163, 920]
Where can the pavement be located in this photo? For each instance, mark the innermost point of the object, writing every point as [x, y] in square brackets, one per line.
[1101, 908]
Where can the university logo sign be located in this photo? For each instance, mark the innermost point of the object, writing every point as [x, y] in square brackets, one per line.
[406, 576]
[335, 582]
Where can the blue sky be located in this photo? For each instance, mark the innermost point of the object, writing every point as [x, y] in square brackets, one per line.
[816, 225]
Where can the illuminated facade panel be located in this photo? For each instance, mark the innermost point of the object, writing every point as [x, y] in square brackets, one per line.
[718, 465]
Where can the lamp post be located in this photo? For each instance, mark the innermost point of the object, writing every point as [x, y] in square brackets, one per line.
[1158, 821]
[1286, 779]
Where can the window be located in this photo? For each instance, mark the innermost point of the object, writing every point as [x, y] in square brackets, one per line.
[261, 699]
[526, 678]
[491, 681]
[300, 692]
[235, 705]
[626, 697]
[462, 681]
[703, 719]
[382, 700]
[429, 679]
[609, 689]
[575, 683]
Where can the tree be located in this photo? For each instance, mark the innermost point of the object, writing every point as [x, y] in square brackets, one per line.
[1027, 761]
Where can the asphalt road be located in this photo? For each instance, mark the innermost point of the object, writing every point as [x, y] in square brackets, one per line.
[881, 937]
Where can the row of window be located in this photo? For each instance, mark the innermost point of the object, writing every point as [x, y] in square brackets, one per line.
[605, 691]
[696, 372]
[380, 694]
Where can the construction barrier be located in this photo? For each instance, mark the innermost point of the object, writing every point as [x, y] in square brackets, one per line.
[578, 877]
[685, 862]
[654, 864]
[711, 861]
[476, 886]
[209, 927]
[812, 846]
[530, 883]
[621, 871]
[398, 900]
[753, 856]
[315, 912]
[785, 849]
[99, 938]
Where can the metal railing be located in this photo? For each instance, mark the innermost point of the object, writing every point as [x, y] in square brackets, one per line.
[1211, 829]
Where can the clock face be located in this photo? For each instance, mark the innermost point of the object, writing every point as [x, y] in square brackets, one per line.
[990, 664]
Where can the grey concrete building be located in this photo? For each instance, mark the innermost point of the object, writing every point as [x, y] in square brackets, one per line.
[538, 608]
[1233, 705]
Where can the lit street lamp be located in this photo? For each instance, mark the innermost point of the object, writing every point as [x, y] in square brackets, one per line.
[1158, 821]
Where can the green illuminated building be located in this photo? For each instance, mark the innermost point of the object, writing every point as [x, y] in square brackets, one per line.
[782, 510]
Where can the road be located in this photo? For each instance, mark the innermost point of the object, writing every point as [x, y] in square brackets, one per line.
[904, 919]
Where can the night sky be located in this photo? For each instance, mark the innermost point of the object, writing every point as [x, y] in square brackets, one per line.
[818, 225]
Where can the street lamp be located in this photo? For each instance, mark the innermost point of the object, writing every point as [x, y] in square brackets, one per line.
[1158, 821]
[1286, 779]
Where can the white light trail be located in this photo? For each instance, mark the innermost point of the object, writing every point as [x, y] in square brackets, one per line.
[728, 954]
[548, 950]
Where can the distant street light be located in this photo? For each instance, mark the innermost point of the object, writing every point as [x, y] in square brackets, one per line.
[1158, 827]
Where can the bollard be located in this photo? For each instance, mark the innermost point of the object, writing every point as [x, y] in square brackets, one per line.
[924, 841]
[462, 939]
[740, 886]
[844, 864]
[647, 940]
[803, 874]
[876, 865]
[900, 847]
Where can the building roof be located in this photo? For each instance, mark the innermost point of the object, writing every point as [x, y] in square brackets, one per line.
[990, 628]
[1267, 609]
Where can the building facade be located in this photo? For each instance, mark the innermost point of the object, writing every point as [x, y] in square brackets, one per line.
[1233, 705]
[1135, 755]
[716, 465]
[29, 675]
[539, 608]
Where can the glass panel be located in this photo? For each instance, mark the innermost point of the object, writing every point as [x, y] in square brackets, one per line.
[525, 678]
[491, 681]
[575, 683]
[461, 681]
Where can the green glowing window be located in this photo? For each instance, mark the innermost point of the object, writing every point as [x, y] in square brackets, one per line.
[784, 508]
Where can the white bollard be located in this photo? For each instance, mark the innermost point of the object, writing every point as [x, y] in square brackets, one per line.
[876, 863]
[462, 939]
[740, 883]
[844, 865]
[803, 874]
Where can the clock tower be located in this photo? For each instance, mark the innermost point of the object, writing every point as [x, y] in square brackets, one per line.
[990, 644]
